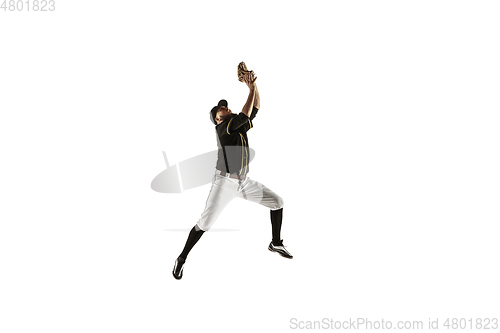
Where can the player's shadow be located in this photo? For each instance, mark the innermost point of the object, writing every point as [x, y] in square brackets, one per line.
[195, 171]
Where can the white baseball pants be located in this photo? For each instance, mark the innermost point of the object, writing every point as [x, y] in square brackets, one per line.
[225, 189]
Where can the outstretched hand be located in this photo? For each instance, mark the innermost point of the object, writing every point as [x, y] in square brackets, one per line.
[250, 80]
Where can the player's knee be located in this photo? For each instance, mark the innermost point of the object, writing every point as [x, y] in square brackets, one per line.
[279, 202]
[203, 225]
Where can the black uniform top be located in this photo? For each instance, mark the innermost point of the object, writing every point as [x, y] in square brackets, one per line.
[232, 142]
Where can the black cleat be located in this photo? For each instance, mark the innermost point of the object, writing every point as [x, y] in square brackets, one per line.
[178, 268]
[280, 249]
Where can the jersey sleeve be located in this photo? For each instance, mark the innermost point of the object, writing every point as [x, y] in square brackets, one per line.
[248, 125]
[236, 122]
[254, 113]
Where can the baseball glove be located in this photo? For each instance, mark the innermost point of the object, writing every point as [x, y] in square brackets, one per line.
[242, 71]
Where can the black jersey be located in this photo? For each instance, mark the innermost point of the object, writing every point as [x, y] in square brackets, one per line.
[232, 142]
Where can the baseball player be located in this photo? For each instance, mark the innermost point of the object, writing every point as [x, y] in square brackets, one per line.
[231, 175]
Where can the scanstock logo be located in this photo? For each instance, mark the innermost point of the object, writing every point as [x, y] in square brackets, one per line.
[193, 172]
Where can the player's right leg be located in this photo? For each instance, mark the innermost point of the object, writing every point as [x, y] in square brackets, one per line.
[221, 193]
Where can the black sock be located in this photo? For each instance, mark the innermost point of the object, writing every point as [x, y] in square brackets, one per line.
[193, 238]
[276, 218]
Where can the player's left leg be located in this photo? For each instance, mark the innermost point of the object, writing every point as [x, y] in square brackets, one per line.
[256, 192]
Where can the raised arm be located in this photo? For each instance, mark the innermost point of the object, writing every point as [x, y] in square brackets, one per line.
[256, 101]
[248, 107]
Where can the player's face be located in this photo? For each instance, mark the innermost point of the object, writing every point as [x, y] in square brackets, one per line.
[222, 113]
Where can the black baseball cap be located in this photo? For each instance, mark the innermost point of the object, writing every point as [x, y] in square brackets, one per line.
[213, 112]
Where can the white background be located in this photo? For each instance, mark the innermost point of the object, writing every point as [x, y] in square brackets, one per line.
[378, 126]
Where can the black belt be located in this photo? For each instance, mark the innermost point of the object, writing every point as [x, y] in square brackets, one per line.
[232, 175]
